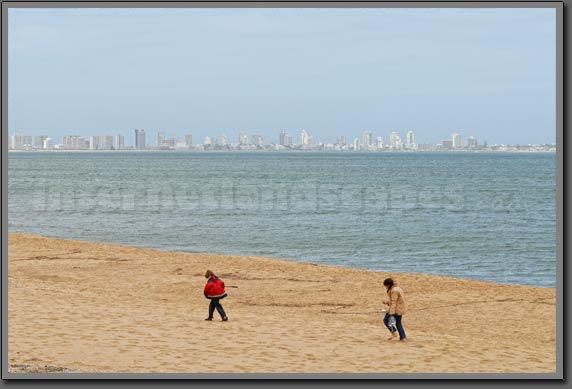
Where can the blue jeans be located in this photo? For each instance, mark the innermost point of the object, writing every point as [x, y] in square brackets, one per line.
[398, 324]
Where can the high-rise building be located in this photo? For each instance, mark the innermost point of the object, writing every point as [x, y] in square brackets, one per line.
[27, 141]
[242, 139]
[17, 141]
[457, 141]
[472, 144]
[140, 139]
[207, 141]
[189, 140]
[160, 138]
[119, 142]
[410, 141]
[394, 141]
[107, 142]
[74, 142]
[447, 144]
[287, 141]
[410, 138]
[257, 140]
[48, 144]
[171, 142]
[311, 142]
[367, 140]
[39, 141]
[356, 144]
[379, 143]
[224, 140]
[95, 142]
[67, 142]
[303, 138]
[282, 138]
[306, 141]
[342, 141]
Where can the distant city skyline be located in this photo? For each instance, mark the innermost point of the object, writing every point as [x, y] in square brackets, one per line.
[244, 142]
[270, 136]
[333, 72]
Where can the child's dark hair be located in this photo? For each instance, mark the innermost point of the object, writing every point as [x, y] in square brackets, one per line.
[388, 282]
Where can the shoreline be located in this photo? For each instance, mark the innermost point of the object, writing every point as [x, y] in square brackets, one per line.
[83, 306]
[459, 278]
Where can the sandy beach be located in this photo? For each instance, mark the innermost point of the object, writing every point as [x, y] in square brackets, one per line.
[89, 307]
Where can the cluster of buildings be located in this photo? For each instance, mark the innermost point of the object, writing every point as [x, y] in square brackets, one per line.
[69, 142]
[367, 142]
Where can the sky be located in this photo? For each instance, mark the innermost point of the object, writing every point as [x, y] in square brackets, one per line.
[490, 73]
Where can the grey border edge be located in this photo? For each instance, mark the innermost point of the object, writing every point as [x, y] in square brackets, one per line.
[560, 191]
[557, 5]
[4, 212]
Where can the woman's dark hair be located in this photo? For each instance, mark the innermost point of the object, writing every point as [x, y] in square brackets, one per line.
[209, 274]
[388, 282]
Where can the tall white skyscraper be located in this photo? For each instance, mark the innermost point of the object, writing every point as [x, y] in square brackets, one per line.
[311, 142]
[27, 141]
[17, 141]
[242, 139]
[342, 141]
[119, 142]
[257, 140]
[95, 142]
[472, 144]
[457, 141]
[140, 139]
[411, 140]
[39, 141]
[107, 142]
[223, 140]
[379, 143]
[367, 140]
[161, 138]
[189, 140]
[48, 144]
[304, 138]
[356, 144]
[394, 141]
[410, 137]
[74, 142]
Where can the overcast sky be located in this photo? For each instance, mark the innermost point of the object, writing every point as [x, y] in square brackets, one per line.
[489, 73]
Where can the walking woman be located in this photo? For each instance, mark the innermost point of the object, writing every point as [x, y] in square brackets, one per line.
[214, 291]
[396, 310]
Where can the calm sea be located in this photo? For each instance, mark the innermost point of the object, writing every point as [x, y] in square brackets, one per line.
[487, 216]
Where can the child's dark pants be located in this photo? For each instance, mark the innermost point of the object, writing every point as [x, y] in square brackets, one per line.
[216, 304]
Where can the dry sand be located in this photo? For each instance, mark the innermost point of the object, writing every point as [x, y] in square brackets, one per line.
[90, 307]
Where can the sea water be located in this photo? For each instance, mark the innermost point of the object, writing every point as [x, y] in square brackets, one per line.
[487, 216]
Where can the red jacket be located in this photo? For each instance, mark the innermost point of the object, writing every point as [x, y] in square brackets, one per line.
[214, 288]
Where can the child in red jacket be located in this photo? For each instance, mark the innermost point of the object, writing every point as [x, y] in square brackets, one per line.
[214, 291]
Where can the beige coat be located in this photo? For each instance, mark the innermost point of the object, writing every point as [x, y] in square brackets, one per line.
[396, 301]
